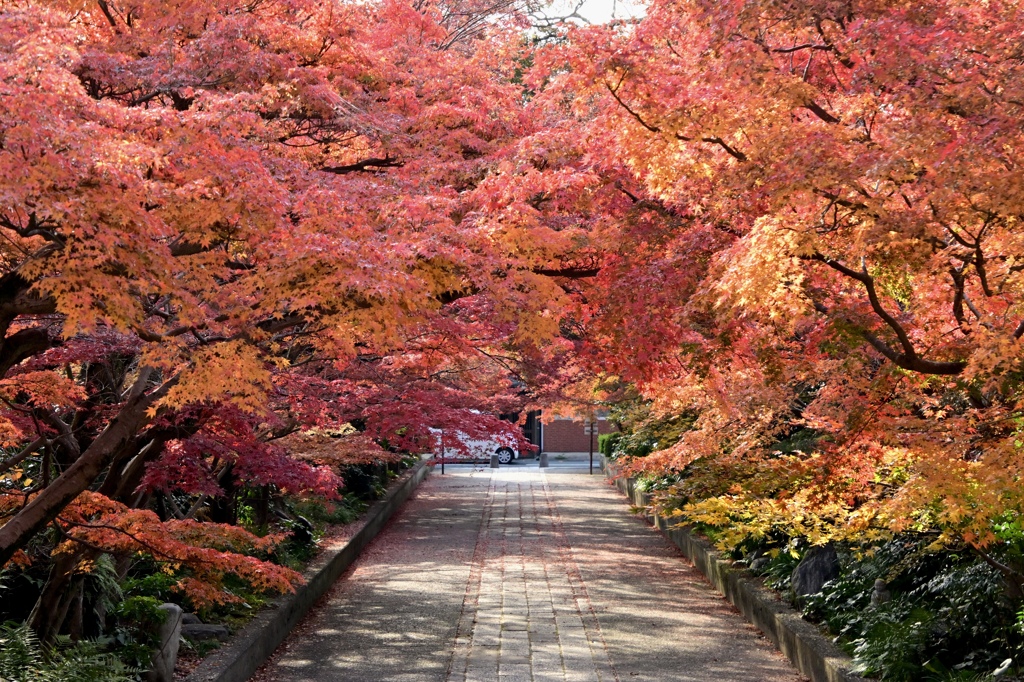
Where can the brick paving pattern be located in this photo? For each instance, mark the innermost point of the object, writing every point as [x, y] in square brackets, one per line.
[526, 615]
[523, 574]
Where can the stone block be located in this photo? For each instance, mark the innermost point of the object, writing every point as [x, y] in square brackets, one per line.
[166, 654]
[820, 565]
[200, 632]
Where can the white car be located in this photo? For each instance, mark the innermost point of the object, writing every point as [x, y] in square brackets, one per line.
[474, 448]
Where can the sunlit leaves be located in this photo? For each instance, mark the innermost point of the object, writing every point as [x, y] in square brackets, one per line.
[820, 231]
[281, 217]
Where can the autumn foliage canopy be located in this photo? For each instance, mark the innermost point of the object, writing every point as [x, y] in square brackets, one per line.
[228, 222]
[821, 234]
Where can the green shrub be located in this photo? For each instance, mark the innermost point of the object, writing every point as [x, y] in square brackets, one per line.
[652, 434]
[24, 659]
[606, 443]
[150, 581]
[136, 635]
[650, 484]
[948, 612]
[798, 440]
[322, 512]
[779, 571]
[896, 643]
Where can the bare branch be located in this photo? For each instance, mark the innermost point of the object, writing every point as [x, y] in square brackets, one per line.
[731, 151]
[366, 165]
[571, 273]
[816, 109]
[21, 456]
[908, 359]
[805, 46]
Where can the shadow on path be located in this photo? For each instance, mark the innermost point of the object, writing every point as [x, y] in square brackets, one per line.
[523, 574]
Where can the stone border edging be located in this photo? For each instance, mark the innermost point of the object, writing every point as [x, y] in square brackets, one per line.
[249, 648]
[809, 651]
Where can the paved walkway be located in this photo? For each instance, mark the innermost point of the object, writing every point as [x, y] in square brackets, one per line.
[524, 574]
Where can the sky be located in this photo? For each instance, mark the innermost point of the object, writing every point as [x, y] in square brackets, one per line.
[598, 11]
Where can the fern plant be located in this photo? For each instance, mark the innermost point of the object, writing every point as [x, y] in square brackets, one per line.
[24, 659]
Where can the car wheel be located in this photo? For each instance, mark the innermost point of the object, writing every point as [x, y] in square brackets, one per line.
[504, 455]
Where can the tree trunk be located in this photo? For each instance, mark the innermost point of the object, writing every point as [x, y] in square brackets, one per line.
[76, 626]
[262, 508]
[45, 507]
[223, 508]
[48, 614]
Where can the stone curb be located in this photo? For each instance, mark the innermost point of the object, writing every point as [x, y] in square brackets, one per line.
[245, 653]
[809, 651]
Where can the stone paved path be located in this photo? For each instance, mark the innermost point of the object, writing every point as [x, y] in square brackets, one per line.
[524, 574]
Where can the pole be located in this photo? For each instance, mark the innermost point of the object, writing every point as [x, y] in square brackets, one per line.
[590, 443]
[442, 452]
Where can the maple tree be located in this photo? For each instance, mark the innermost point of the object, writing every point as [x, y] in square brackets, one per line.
[227, 222]
[233, 231]
[817, 236]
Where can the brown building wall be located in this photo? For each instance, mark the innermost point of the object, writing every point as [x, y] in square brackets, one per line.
[563, 435]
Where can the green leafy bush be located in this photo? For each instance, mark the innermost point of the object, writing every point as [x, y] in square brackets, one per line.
[136, 635]
[948, 612]
[148, 580]
[779, 570]
[653, 434]
[643, 432]
[606, 443]
[896, 643]
[24, 659]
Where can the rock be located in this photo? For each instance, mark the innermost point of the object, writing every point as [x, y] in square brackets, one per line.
[190, 619]
[880, 595]
[202, 632]
[166, 654]
[303, 530]
[759, 564]
[820, 565]
[1003, 668]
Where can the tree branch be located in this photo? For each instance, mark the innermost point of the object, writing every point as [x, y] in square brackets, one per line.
[21, 456]
[805, 46]
[365, 165]
[958, 300]
[571, 273]
[816, 109]
[183, 247]
[735, 153]
[638, 117]
[731, 151]
[45, 507]
[908, 359]
[22, 344]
